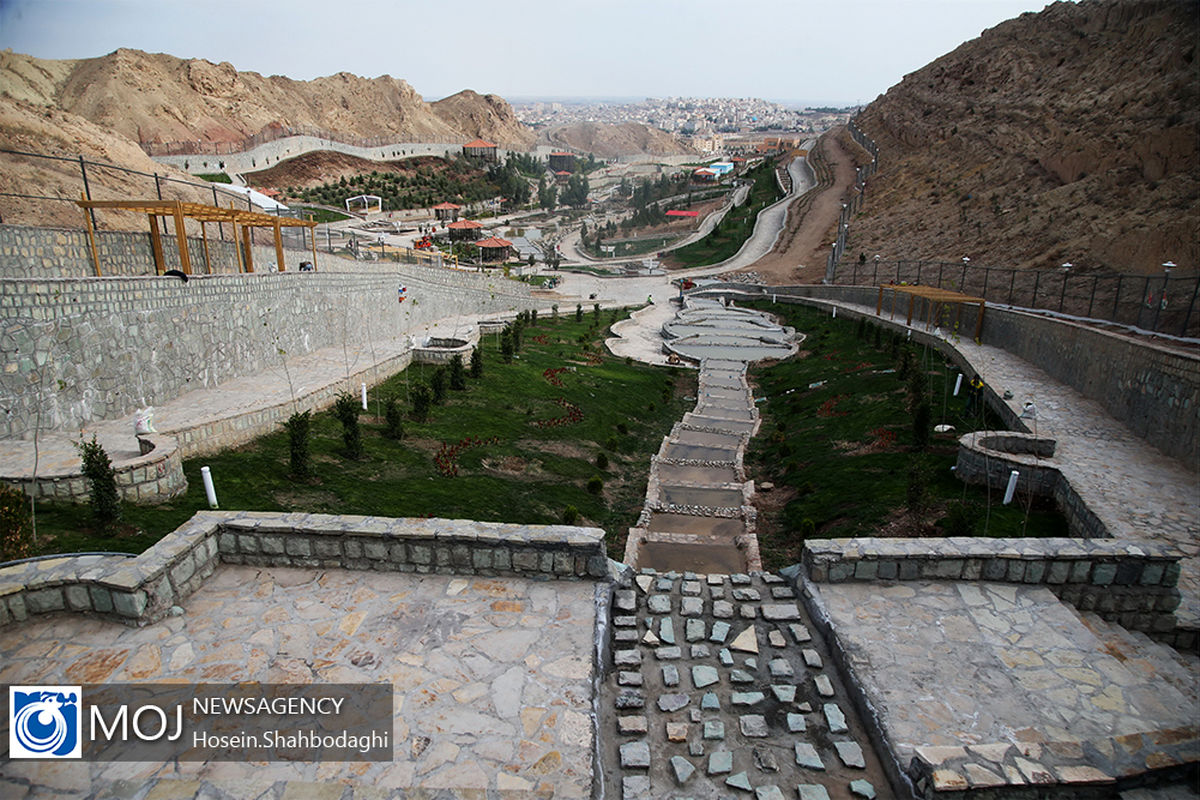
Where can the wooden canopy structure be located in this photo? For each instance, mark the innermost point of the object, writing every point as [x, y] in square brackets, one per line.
[936, 301]
[246, 221]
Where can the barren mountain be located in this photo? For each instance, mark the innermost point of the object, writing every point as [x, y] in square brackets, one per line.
[1072, 134]
[485, 117]
[153, 97]
[611, 141]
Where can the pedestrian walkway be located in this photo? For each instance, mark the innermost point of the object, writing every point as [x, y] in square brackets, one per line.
[698, 515]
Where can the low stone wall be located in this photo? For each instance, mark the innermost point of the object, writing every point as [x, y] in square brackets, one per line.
[442, 351]
[1132, 584]
[144, 588]
[153, 477]
[986, 458]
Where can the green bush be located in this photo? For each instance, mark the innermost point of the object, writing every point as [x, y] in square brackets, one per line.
[533, 316]
[298, 426]
[960, 519]
[612, 443]
[16, 530]
[570, 515]
[102, 484]
[578, 312]
[601, 461]
[458, 374]
[808, 530]
[477, 363]
[393, 419]
[421, 401]
[506, 346]
[346, 409]
[595, 485]
[437, 386]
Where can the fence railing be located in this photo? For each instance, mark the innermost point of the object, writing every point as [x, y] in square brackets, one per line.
[269, 134]
[1163, 303]
[854, 203]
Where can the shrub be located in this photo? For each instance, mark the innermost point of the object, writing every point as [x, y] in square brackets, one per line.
[477, 363]
[612, 443]
[437, 385]
[622, 429]
[578, 312]
[570, 515]
[601, 461]
[421, 401]
[16, 530]
[554, 310]
[393, 419]
[533, 316]
[518, 328]
[458, 374]
[808, 530]
[595, 485]
[922, 425]
[102, 480]
[506, 346]
[346, 408]
[960, 519]
[298, 426]
[596, 312]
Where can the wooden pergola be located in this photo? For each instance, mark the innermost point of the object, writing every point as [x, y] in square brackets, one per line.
[936, 300]
[246, 221]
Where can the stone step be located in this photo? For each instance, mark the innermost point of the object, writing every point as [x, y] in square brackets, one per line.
[698, 452]
[1151, 660]
[686, 475]
[703, 555]
[718, 423]
[724, 441]
[721, 498]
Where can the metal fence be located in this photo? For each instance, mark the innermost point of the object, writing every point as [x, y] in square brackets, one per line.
[1163, 303]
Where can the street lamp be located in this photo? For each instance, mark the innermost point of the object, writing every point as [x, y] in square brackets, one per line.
[1162, 300]
[1066, 267]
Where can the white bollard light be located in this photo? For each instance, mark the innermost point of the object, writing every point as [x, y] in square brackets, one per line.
[835, 312]
[957, 384]
[364, 396]
[1012, 486]
[206, 475]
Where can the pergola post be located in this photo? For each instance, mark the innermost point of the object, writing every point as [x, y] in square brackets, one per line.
[247, 239]
[204, 238]
[313, 241]
[87, 218]
[185, 258]
[279, 246]
[879, 302]
[156, 246]
[979, 320]
[912, 299]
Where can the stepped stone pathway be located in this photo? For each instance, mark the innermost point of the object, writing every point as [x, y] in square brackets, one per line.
[698, 515]
[990, 683]
[718, 687]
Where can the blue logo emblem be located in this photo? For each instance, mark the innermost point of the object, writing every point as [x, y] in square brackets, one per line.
[43, 721]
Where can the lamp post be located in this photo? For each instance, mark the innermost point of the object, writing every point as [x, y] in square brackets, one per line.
[1066, 267]
[1162, 300]
[876, 279]
[966, 262]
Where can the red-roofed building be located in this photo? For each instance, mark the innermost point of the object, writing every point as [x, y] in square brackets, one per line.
[494, 249]
[465, 230]
[480, 149]
[446, 211]
[560, 162]
[562, 177]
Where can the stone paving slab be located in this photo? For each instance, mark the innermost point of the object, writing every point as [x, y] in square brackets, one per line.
[722, 700]
[722, 441]
[699, 452]
[962, 664]
[492, 677]
[699, 496]
[680, 474]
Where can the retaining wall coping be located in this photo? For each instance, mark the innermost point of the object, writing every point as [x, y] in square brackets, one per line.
[828, 551]
[142, 589]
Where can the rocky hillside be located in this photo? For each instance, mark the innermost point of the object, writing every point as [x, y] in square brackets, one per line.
[153, 97]
[612, 141]
[1072, 134]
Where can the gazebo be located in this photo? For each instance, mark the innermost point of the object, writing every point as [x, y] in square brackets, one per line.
[935, 304]
[562, 161]
[494, 249]
[465, 230]
[364, 203]
[446, 211]
[480, 149]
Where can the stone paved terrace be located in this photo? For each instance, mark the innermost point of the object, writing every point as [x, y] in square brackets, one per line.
[720, 688]
[492, 680]
[988, 684]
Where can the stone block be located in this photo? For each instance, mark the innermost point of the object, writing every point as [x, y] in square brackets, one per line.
[77, 598]
[525, 560]
[994, 569]
[271, 544]
[130, 604]
[101, 599]
[45, 600]
[298, 546]
[1104, 573]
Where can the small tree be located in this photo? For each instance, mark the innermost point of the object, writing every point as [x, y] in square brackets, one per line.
[104, 498]
[578, 312]
[458, 374]
[506, 346]
[421, 400]
[298, 426]
[437, 385]
[477, 363]
[393, 419]
[570, 515]
[595, 484]
[517, 328]
[533, 317]
[346, 408]
[601, 461]
[16, 532]
[596, 312]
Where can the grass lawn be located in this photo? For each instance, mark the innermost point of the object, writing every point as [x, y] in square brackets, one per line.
[728, 237]
[213, 177]
[530, 474]
[837, 441]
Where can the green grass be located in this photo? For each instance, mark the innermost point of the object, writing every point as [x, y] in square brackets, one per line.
[213, 177]
[733, 231]
[822, 445]
[530, 476]
[319, 214]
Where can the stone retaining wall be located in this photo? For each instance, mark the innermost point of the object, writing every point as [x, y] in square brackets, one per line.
[986, 458]
[1132, 584]
[142, 589]
[153, 477]
[98, 348]
[1153, 390]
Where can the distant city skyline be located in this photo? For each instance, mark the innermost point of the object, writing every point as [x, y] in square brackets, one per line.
[793, 51]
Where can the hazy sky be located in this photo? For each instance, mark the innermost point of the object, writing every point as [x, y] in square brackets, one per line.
[837, 51]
